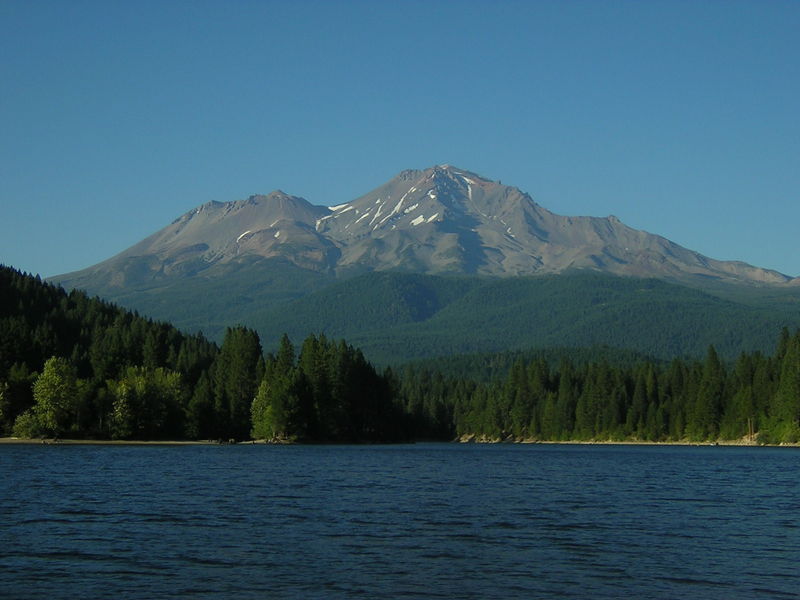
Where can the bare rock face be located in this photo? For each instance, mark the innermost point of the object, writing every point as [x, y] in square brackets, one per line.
[439, 220]
[448, 220]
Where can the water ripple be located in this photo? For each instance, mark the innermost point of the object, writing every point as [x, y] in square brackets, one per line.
[421, 521]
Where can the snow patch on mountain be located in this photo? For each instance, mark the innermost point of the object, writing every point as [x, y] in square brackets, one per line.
[378, 213]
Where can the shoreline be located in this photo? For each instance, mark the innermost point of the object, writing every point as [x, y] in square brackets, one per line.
[74, 442]
[745, 443]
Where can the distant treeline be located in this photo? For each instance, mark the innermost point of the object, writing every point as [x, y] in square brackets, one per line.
[757, 396]
[74, 366]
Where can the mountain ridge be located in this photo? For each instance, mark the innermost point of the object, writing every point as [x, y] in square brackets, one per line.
[440, 220]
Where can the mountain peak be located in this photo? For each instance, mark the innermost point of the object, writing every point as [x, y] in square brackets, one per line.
[273, 196]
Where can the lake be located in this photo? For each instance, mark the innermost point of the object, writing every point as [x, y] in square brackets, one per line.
[405, 521]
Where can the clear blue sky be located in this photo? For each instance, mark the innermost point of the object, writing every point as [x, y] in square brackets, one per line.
[681, 117]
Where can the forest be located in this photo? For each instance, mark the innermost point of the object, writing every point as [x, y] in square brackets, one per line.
[398, 317]
[756, 398]
[72, 366]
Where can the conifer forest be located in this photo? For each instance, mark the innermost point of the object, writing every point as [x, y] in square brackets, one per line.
[72, 366]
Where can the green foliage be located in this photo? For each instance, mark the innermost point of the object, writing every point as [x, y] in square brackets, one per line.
[275, 409]
[71, 365]
[17, 394]
[263, 415]
[679, 401]
[94, 344]
[398, 317]
[200, 418]
[4, 401]
[227, 293]
[55, 395]
[27, 426]
[706, 410]
[783, 422]
[147, 404]
[236, 377]
[330, 392]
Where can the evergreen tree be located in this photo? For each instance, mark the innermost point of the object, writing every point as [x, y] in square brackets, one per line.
[784, 423]
[520, 400]
[567, 400]
[200, 415]
[276, 409]
[739, 412]
[236, 373]
[317, 406]
[5, 406]
[707, 409]
[17, 395]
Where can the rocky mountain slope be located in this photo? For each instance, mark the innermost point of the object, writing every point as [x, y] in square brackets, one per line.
[447, 220]
[441, 220]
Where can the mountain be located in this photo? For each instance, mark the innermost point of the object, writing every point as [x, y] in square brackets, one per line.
[216, 234]
[448, 220]
[251, 261]
[440, 220]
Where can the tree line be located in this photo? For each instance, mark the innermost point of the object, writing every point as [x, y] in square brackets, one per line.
[76, 366]
[757, 396]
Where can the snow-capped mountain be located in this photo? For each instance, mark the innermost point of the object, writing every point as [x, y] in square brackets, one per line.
[435, 221]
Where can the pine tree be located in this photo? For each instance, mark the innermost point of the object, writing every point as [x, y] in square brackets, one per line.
[520, 400]
[739, 410]
[200, 416]
[567, 400]
[637, 411]
[704, 418]
[785, 413]
[236, 381]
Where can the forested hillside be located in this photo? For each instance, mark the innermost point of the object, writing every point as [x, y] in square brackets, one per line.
[74, 366]
[397, 317]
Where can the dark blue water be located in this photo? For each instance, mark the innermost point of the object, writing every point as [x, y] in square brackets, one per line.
[415, 521]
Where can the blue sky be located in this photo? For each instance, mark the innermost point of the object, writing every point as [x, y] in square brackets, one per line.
[679, 117]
